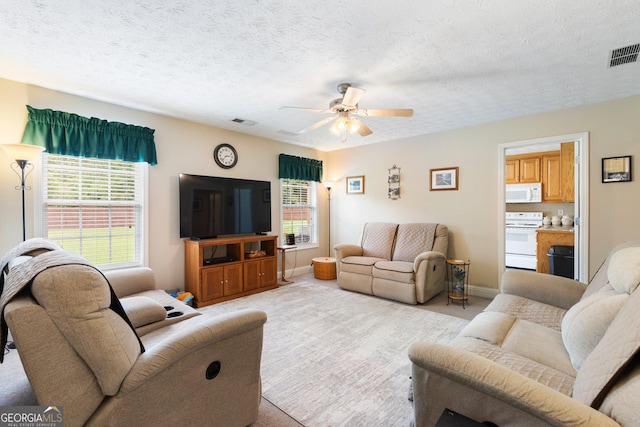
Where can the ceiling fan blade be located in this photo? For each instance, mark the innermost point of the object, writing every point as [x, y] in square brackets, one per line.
[397, 112]
[352, 96]
[317, 124]
[364, 130]
[315, 110]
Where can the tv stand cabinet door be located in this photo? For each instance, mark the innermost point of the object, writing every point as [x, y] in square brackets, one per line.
[269, 271]
[212, 283]
[232, 279]
[252, 275]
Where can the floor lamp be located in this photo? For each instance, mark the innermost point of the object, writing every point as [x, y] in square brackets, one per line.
[328, 185]
[23, 154]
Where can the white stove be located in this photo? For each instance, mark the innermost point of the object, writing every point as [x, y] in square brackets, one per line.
[520, 239]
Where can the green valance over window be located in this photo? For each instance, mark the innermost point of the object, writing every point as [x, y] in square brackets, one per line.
[301, 168]
[73, 135]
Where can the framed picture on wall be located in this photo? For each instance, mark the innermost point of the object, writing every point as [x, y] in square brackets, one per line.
[444, 179]
[616, 169]
[355, 184]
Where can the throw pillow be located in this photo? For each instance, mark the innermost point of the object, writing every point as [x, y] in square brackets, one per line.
[624, 270]
[585, 323]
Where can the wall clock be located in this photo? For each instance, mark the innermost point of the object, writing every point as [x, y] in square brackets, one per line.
[225, 156]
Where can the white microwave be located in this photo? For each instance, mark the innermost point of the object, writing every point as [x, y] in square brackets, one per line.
[524, 193]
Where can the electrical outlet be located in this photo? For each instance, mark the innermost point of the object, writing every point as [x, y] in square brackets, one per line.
[560, 212]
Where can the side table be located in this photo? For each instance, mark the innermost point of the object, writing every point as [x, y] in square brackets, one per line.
[458, 280]
[324, 268]
[283, 249]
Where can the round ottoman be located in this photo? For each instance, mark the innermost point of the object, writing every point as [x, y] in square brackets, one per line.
[324, 268]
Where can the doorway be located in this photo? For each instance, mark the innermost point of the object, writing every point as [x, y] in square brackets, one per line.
[581, 197]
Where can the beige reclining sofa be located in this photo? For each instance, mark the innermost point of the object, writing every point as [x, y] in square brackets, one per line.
[548, 351]
[82, 353]
[402, 262]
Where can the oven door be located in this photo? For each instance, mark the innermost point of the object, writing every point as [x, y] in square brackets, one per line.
[520, 247]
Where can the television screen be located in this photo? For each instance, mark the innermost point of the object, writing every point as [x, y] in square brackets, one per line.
[215, 206]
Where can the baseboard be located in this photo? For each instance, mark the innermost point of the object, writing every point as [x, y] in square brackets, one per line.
[481, 291]
[298, 271]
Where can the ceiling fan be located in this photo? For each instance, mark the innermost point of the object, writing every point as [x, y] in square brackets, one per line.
[345, 108]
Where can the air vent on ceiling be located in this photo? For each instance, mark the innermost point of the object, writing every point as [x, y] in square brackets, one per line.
[244, 122]
[624, 55]
[286, 132]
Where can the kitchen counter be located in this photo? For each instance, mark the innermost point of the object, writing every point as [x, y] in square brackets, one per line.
[564, 228]
[547, 236]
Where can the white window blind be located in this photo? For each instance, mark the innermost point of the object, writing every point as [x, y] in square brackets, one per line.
[94, 207]
[298, 210]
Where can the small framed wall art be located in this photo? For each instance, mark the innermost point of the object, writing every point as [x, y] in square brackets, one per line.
[355, 184]
[444, 179]
[616, 169]
[394, 183]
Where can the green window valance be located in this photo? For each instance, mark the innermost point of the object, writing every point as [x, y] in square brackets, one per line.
[293, 167]
[73, 135]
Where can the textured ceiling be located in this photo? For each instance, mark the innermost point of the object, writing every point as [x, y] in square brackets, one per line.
[456, 63]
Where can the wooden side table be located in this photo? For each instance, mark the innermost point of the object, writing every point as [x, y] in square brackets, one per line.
[458, 280]
[324, 268]
[283, 249]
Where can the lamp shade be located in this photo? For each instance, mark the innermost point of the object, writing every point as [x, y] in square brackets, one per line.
[328, 184]
[22, 151]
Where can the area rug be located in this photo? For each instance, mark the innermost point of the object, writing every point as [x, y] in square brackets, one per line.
[335, 358]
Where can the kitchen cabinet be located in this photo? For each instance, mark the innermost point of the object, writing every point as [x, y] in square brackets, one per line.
[522, 169]
[547, 237]
[567, 165]
[558, 174]
[552, 177]
[241, 266]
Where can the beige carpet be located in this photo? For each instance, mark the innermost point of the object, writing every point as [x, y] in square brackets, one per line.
[337, 358]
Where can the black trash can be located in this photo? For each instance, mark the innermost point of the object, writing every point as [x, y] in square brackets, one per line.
[561, 261]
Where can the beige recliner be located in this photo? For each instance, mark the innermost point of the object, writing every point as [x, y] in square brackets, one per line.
[80, 354]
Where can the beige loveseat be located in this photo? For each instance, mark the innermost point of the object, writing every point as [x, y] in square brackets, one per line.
[547, 351]
[402, 262]
[80, 352]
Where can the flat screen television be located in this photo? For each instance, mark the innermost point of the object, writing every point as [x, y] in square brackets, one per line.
[214, 206]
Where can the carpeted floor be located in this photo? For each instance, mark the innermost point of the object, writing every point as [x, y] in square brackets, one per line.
[335, 358]
[331, 357]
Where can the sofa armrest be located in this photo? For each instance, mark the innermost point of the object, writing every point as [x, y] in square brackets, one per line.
[546, 288]
[177, 377]
[427, 256]
[129, 281]
[344, 250]
[199, 332]
[495, 381]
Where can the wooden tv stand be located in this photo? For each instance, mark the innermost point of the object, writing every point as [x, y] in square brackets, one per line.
[225, 268]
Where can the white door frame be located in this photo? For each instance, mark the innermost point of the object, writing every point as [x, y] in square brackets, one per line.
[581, 186]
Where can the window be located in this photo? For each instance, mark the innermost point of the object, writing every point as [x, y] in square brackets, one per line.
[298, 210]
[95, 208]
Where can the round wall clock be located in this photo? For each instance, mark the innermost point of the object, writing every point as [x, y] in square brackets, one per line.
[225, 156]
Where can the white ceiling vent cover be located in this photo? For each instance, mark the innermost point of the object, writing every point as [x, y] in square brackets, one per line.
[624, 55]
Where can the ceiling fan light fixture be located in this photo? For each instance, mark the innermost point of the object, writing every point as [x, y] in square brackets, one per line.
[353, 125]
[339, 126]
[336, 129]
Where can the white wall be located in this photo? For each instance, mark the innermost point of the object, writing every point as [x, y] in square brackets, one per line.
[182, 147]
[471, 213]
